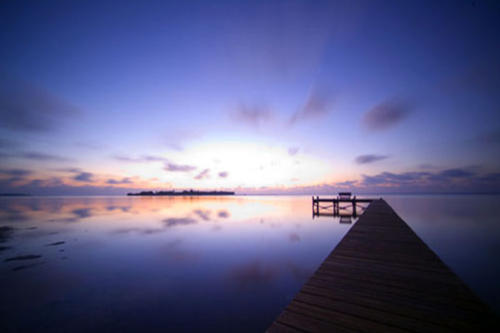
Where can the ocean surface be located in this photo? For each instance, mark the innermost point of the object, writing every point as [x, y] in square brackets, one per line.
[78, 264]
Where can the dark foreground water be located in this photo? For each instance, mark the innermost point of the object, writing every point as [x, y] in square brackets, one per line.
[200, 264]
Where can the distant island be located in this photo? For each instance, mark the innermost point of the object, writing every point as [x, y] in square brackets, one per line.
[181, 193]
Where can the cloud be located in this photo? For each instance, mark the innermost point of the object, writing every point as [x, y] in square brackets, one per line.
[36, 156]
[386, 114]
[123, 158]
[389, 178]
[254, 115]
[178, 167]
[174, 221]
[426, 166]
[347, 183]
[293, 151]
[203, 175]
[491, 178]
[84, 177]
[15, 172]
[318, 104]
[14, 175]
[125, 180]
[223, 174]
[141, 159]
[448, 180]
[25, 107]
[455, 173]
[5, 233]
[456, 180]
[43, 157]
[70, 170]
[55, 187]
[153, 158]
[369, 158]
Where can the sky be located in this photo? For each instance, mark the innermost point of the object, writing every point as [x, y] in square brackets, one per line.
[305, 97]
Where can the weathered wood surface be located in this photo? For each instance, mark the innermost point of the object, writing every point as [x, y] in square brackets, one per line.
[382, 277]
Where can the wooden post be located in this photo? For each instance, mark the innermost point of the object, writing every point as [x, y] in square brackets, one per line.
[354, 206]
[313, 205]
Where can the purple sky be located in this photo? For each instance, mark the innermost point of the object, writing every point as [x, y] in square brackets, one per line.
[260, 96]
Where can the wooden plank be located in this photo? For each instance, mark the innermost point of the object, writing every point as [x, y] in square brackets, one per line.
[382, 277]
[448, 298]
[305, 323]
[278, 327]
[339, 317]
[436, 313]
[385, 318]
[393, 307]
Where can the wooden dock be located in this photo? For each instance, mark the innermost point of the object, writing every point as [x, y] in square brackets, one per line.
[382, 277]
[335, 204]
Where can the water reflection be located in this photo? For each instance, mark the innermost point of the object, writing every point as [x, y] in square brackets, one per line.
[294, 237]
[233, 263]
[223, 214]
[346, 213]
[203, 214]
[464, 231]
[252, 274]
[346, 219]
[81, 213]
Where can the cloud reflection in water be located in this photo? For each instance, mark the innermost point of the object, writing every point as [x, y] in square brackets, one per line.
[179, 248]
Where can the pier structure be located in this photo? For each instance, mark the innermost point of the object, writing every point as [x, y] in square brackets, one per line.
[382, 277]
[333, 206]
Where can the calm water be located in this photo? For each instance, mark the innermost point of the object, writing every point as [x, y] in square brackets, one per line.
[192, 264]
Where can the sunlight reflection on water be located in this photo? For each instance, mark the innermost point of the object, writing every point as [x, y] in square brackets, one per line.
[201, 263]
[158, 262]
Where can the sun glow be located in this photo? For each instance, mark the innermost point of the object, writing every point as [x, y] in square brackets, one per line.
[231, 164]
